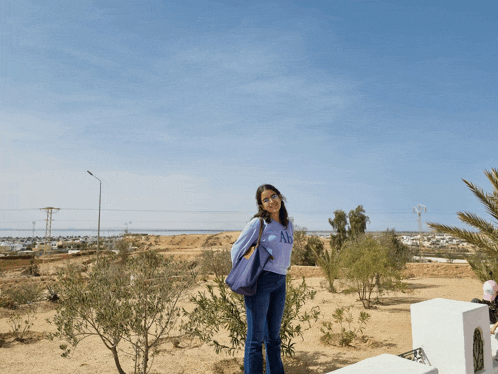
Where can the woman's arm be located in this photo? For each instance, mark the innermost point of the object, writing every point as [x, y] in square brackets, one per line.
[247, 237]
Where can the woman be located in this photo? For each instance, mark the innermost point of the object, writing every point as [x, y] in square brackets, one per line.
[490, 290]
[264, 310]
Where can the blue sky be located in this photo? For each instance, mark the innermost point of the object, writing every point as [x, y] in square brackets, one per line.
[184, 108]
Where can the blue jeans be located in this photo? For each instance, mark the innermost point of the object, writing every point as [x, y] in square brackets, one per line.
[264, 316]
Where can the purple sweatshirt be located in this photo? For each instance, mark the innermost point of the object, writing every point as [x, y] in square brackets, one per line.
[275, 238]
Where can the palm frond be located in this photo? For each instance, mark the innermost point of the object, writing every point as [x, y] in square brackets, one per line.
[493, 197]
[475, 238]
[487, 229]
[493, 178]
[488, 200]
[486, 239]
[475, 221]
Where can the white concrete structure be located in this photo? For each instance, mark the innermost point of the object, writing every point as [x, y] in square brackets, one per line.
[453, 335]
[445, 330]
[386, 364]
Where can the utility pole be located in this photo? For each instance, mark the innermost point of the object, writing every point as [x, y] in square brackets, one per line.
[419, 209]
[48, 227]
[100, 203]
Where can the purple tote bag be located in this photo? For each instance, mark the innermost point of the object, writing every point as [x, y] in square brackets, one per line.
[247, 267]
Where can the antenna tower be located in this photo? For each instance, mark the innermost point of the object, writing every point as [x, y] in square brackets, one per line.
[48, 228]
[419, 209]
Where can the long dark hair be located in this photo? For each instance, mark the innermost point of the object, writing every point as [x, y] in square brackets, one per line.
[282, 214]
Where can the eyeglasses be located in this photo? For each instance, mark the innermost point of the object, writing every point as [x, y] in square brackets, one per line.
[272, 198]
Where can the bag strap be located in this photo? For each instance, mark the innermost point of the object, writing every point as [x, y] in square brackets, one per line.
[260, 231]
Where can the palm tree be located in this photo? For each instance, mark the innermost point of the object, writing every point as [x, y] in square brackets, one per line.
[486, 236]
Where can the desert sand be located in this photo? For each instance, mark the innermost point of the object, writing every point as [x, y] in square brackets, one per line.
[388, 331]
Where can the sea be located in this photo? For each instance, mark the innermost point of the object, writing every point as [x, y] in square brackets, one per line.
[26, 233]
[29, 233]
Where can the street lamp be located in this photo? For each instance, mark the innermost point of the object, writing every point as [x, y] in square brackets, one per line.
[100, 200]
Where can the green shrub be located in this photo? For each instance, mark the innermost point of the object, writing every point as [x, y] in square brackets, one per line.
[135, 302]
[299, 255]
[397, 252]
[123, 248]
[304, 247]
[221, 309]
[314, 246]
[25, 293]
[366, 264]
[329, 261]
[21, 321]
[6, 301]
[218, 263]
[343, 317]
[32, 269]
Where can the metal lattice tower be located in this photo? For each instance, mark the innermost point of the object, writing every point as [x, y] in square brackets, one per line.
[48, 228]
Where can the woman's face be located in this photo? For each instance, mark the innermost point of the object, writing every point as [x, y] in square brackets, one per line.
[271, 202]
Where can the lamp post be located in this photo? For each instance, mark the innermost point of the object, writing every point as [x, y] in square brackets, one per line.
[100, 200]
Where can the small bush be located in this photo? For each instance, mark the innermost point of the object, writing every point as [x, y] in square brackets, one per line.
[6, 301]
[329, 261]
[222, 309]
[304, 247]
[299, 255]
[23, 294]
[343, 317]
[218, 263]
[366, 264]
[123, 248]
[32, 269]
[21, 321]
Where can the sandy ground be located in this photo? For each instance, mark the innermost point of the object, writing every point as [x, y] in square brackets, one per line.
[388, 331]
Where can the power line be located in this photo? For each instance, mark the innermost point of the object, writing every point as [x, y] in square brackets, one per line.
[387, 210]
[135, 230]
